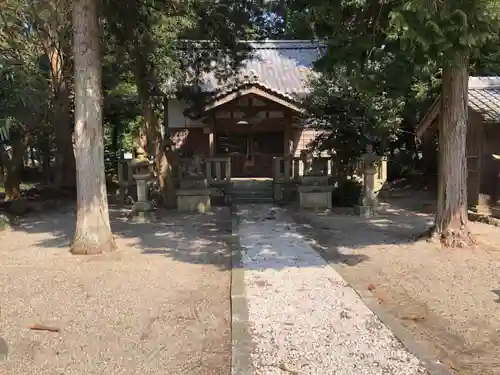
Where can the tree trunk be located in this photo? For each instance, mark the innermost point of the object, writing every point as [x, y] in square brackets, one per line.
[93, 231]
[156, 147]
[162, 161]
[12, 172]
[166, 182]
[66, 174]
[58, 58]
[168, 163]
[2, 173]
[451, 215]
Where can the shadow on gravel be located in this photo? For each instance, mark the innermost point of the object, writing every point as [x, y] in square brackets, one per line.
[337, 236]
[208, 238]
[190, 238]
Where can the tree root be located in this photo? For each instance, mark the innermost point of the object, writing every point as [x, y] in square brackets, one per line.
[83, 247]
[451, 238]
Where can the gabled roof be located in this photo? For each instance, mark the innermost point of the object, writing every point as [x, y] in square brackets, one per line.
[255, 88]
[484, 99]
[283, 66]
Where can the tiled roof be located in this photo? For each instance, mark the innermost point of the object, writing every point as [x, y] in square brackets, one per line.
[282, 66]
[484, 97]
[484, 82]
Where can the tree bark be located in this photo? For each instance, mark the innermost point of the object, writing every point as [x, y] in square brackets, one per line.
[162, 160]
[66, 175]
[168, 163]
[156, 147]
[2, 173]
[52, 43]
[451, 214]
[93, 231]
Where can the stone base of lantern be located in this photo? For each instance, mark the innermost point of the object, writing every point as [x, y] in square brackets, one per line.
[365, 211]
[367, 207]
[315, 197]
[193, 200]
[143, 212]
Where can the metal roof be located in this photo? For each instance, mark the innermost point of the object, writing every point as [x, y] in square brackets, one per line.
[483, 98]
[282, 66]
[486, 102]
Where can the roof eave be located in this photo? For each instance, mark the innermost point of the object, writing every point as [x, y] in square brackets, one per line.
[429, 117]
[257, 89]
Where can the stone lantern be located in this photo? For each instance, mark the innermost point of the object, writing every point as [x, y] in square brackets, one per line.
[142, 210]
[368, 200]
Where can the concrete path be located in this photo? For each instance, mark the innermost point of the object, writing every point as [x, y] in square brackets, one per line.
[303, 317]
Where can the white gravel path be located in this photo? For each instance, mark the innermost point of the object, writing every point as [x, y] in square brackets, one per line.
[305, 318]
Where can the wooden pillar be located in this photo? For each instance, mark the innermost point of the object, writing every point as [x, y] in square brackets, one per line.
[211, 142]
[210, 130]
[286, 140]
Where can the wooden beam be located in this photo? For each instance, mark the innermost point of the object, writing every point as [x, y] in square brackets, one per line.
[429, 118]
[255, 91]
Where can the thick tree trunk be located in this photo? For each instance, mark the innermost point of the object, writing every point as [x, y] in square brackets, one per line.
[93, 232]
[12, 172]
[166, 182]
[168, 162]
[156, 147]
[54, 48]
[66, 174]
[451, 215]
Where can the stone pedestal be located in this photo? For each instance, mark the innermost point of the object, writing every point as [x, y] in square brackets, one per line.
[142, 210]
[315, 197]
[193, 195]
[310, 180]
[315, 193]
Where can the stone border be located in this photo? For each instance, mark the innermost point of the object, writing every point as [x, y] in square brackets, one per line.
[241, 341]
[417, 348]
[485, 219]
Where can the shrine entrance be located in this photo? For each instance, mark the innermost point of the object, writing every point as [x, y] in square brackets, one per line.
[251, 152]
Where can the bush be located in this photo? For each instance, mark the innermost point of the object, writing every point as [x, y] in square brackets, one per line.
[347, 193]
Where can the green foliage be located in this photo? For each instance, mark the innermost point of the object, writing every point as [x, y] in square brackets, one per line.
[346, 193]
[164, 47]
[122, 122]
[371, 89]
[383, 61]
[443, 28]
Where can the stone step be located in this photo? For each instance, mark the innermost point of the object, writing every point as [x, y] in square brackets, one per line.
[236, 187]
[252, 193]
[243, 200]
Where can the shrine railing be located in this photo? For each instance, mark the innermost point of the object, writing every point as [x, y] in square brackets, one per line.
[217, 169]
[290, 169]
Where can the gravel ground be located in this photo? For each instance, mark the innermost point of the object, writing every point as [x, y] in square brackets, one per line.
[305, 319]
[448, 299]
[159, 305]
